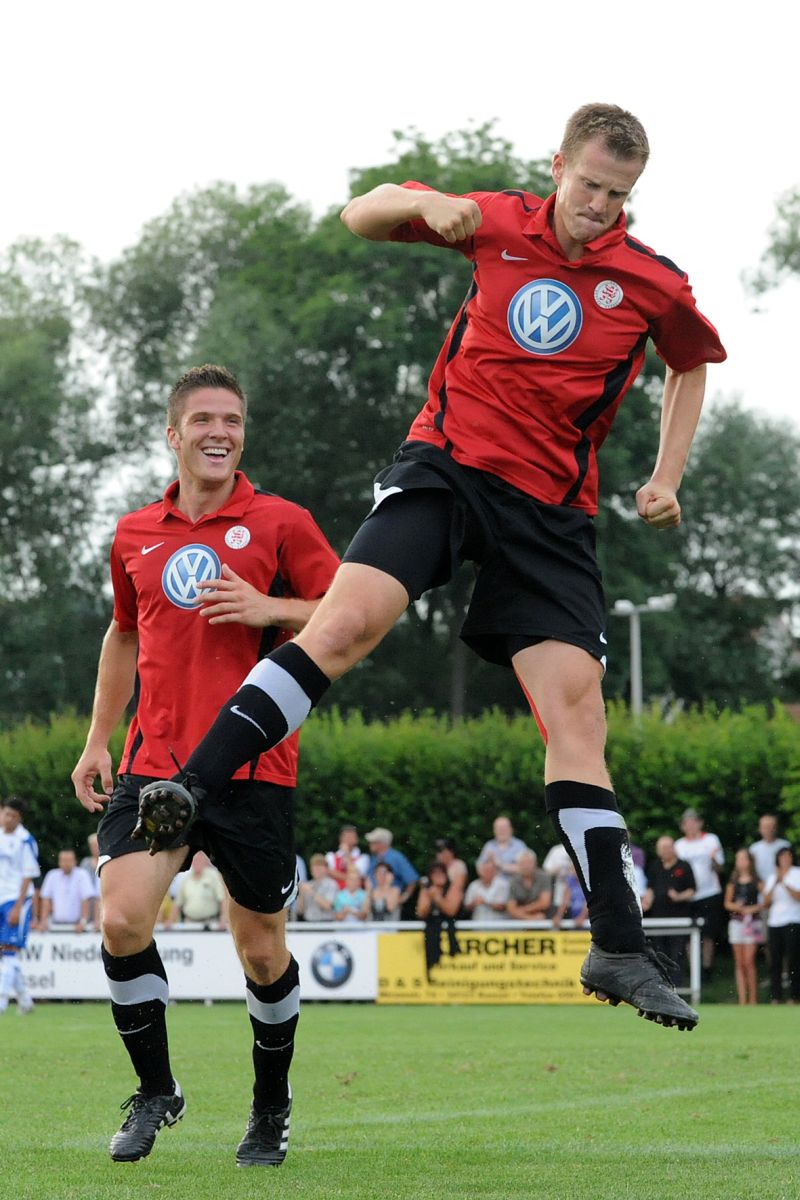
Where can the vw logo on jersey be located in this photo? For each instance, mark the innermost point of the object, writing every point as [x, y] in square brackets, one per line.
[184, 570]
[545, 316]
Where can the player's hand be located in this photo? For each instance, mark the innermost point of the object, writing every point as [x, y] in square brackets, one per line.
[232, 599]
[658, 506]
[454, 218]
[93, 762]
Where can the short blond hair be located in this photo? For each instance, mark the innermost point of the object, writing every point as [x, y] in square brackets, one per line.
[622, 132]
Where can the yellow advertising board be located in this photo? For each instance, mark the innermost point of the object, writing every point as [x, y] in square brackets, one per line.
[507, 967]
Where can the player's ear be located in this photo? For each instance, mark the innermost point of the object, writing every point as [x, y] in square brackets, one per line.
[557, 167]
[173, 438]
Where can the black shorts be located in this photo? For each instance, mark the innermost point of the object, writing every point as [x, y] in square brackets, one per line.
[537, 574]
[247, 831]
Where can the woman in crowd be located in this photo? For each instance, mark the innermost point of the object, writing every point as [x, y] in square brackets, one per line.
[384, 898]
[744, 903]
[782, 894]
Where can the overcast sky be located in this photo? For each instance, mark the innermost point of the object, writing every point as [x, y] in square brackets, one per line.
[111, 111]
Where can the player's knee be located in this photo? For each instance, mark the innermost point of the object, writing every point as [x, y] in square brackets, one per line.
[578, 714]
[123, 932]
[342, 634]
[263, 955]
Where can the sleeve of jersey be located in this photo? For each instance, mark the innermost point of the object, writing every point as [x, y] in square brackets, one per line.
[307, 561]
[30, 863]
[419, 231]
[125, 609]
[683, 337]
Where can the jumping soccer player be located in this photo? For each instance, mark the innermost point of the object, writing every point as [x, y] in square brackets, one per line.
[500, 467]
[206, 581]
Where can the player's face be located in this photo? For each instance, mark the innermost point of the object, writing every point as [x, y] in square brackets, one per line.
[209, 438]
[591, 190]
[9, 819]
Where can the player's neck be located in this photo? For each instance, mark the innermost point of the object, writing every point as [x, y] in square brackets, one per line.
[197, 498]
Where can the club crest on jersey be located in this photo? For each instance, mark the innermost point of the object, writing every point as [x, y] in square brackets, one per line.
[237, 537]
[608, 294]
[188, 567]
[545, 317]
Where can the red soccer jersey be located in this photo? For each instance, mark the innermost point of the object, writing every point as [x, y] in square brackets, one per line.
[187, 668]
[535, 365]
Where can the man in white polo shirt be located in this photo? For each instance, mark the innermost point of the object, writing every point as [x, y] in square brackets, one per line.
[705, 856]
[766, 848]
[66, 893]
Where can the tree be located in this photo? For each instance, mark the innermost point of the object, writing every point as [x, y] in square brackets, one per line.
[782, 256]
[738, 560]
[48, 456]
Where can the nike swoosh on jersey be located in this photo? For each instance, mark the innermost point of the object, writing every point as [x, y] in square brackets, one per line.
[238, 712]
[149, 549]
[513, 257]
[286, 889]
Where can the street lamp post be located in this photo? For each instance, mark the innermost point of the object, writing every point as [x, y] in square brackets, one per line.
[626, 608]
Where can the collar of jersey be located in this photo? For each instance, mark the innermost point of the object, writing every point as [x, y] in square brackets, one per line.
[541, 225]
[236, 505]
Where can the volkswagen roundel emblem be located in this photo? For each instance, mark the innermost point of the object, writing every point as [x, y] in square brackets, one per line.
[184, 570]
[545, 316]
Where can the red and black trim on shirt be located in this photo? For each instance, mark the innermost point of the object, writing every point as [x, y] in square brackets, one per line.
[456, 337]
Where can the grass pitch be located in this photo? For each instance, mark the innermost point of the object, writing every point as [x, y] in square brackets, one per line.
[411, 1104]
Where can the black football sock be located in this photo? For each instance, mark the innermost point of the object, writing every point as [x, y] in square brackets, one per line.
[274, 1010]
[139, 995]
[594, 834]
[274, 700]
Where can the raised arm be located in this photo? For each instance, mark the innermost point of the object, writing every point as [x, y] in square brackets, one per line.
[116, 673]
[375, 214]
[657, 502]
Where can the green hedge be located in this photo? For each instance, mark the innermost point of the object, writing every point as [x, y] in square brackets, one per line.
[424, 778]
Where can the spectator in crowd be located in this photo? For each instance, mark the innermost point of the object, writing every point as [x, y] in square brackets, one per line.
[89, 864]
[317, 894]
[705, 856]
[558, 865]
[201, 895]
[504, 847]
[456, 867]
[438, 905]
[381, 849]
[530, 891]
[351, 902]
[487, 896]
[384, 897]
[19, 866]
[573, 905]
[745, 928]
[438, 894]
[767, 847]
[669, 893]
[66, 893]
[782, 896]
[348, 852]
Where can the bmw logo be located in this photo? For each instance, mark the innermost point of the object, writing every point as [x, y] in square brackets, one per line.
[184, 570]
[332, 964]
[545, 316]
